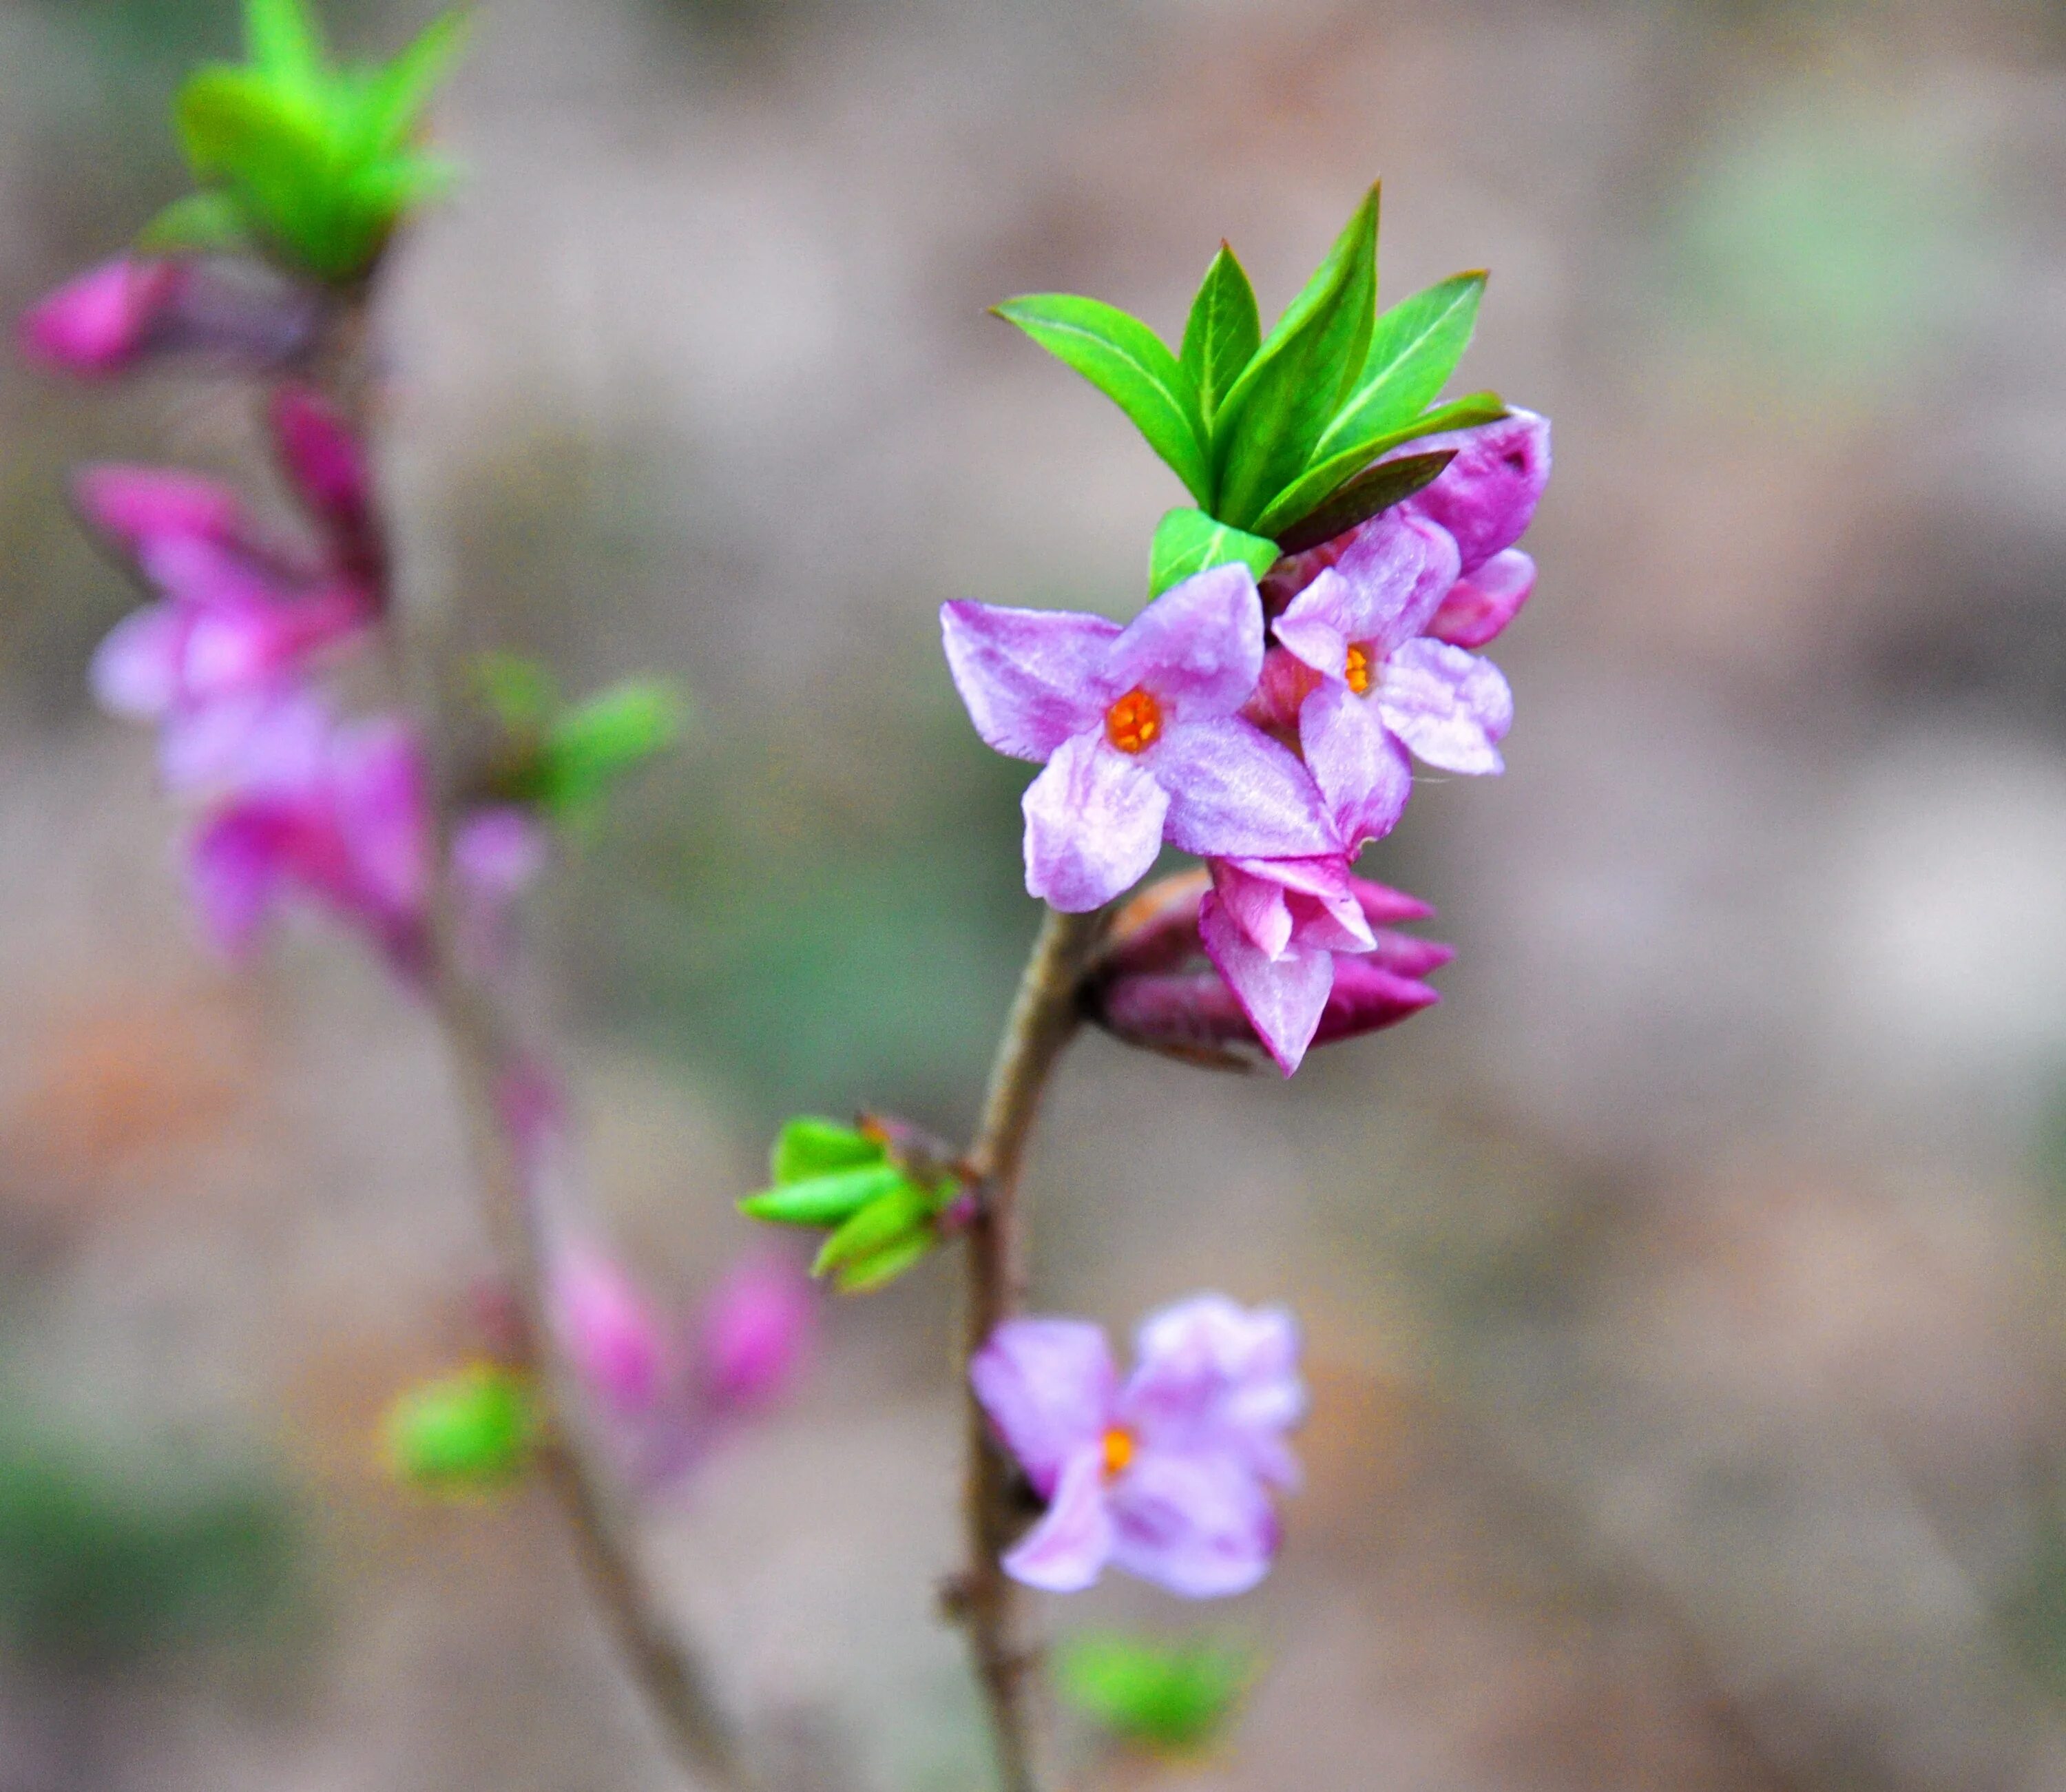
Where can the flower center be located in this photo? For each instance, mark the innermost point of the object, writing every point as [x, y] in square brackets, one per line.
[1134, 723]
[1118, 1451]
[1358, 667]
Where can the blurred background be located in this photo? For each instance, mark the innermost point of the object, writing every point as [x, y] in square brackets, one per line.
[1684, 1294]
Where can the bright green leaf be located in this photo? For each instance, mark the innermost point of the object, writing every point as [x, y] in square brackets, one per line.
[889, 1223]
[394, 103]
[284, 41]
[1413, 350]
[1374, 489]
[471, 1430]
[1222, 336]
[1188, 542]
[594, 743]
[210, 223]
[1278, 408]
[867, 1274]
[808, 1146]
[521, 691]
[1305, 494]
[1130, 364]
[1171, 1698]
[828, 1200]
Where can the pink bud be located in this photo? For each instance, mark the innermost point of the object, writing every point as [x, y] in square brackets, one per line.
[328, 469]
[135, 506]
[612, 1337]
[100, 322]
[755, 1333]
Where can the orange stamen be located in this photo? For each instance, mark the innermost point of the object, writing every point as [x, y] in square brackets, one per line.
[1134, 723]
[1118, 1451]
[1358, 668]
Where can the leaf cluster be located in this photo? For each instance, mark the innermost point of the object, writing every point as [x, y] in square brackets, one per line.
[1173, 1698]
[1272, 435]
[880, 1208]
[312, 163]
[564, 758]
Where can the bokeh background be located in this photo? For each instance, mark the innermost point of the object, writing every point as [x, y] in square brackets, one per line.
[1683, 1295]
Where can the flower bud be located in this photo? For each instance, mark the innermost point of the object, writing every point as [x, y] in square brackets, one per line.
[466, 1432]
[114, 316]
[329, 472]
[101, 321]
[613, 1339]
[754, 1335]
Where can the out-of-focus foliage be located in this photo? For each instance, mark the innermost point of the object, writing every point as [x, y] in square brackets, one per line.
[1170, 1698]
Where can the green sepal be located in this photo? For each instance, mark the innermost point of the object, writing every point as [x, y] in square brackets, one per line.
[1279, 407]
[1221, 334]
[1374, 489]
[888, 1223]
[1307, 493]
[1131, 365]
[831, 1199]
[1172, 1698]
[588, 746]
[1188, 542]
[808, 1146]
[210, 223]
[471, 1430]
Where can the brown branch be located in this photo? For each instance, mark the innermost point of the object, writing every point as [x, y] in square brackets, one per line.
[1044, 1015]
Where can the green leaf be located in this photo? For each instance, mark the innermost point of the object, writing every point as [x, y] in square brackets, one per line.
[394, 103]
[596, 742]
[470, 1430]
[1188, 542]
[1171, 1698]
[1279, 407]
[1374, 489]
[1129, 363]
[1305, 493]
[1413, 350]
[202, 223]
[872, 1272]
[520, 690]
[808, 1146]
[284, 42]
[832, 1199]
[1222, 336]
[887, 1223]
[231, 122]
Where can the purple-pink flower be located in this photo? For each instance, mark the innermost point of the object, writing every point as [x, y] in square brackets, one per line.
[1167, 1475]
[134, 308]
[103, 321]
[1139, 731]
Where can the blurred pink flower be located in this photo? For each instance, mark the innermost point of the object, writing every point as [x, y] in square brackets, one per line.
[754, 1334]
[101, 321]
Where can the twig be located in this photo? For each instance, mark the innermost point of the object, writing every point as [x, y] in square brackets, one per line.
[1044, 1015]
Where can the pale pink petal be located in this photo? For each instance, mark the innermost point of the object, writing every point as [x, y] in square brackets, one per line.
[1198, 647]
[1197, 1526]
[1479, 607]
[1236, 793]
[135, 669]
[1032, 678]
[1317, 628]
[1450, 707]
[754, 1333]
[1358, 768]
[1093, 820]
[614, 1339]
[1380, 590]
[1317, 896]
[382, 814]
[1281, 996]
[1067, 1550]
[498, 852]
[1047, 1385]
[1486, 496]
[1213, 1375]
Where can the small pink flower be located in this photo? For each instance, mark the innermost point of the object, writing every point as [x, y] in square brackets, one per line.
[615, 1341]
[754, 1334]
[101, 321]
[1166, 1476]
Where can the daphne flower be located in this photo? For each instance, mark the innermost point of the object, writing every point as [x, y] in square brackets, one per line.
[110, 319]
[1138, 728]
[103, 321]
[1166, 1476]
[1485, 498]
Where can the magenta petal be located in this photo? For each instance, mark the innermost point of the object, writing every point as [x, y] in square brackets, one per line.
[1320, 623]
[1478, 608]
[1255, 904]
[235, 864]
[1094, 823]
[614, 1341]
[754, 1333]
[382, 814]
[1367, 997]
[1236, 793]
[1198, 1525]
[497, 853]
[1198, 646]
[135, 669]
[1281, 996]
[1067, 1550]
[1398, 568]
[134, 505]
[1359, 768]
[1486, 496]
[323, 458]
[1032, 678]
[1382, 905]
[99, 322]
[1318, 898]
[1449, 706]
[1047, 1385]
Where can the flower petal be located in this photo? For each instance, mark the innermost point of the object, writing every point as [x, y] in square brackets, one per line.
[1399, 567]
[136, 670]
[1236, 793]
[1048, 1386]
[134, 505]
[1367, 996]
[1198, 646]
[1281, 996]
[1360, 769]
[1032, 678]
[1480, 606]
[1067, 1550]
[1317, 897]
[1215, 1376]
[1197, 1526]
[1094, 822]
[1486, 496]
[235, 866]
[1450, 707]
[100, 322]
[1321, 622]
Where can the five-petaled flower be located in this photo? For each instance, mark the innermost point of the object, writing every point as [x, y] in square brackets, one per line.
[1166, 1476]
[1138, 727]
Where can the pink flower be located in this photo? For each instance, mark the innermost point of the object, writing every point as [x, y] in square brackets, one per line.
[1486, 498]
[1138, 730]
[754, 1335]
[1301, 953]
[328, 470]
[613, 1340]
[103, 321]
[1166, 1476]
[336, 811]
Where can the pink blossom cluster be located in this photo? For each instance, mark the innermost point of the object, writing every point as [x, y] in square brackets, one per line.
[1274, 761]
